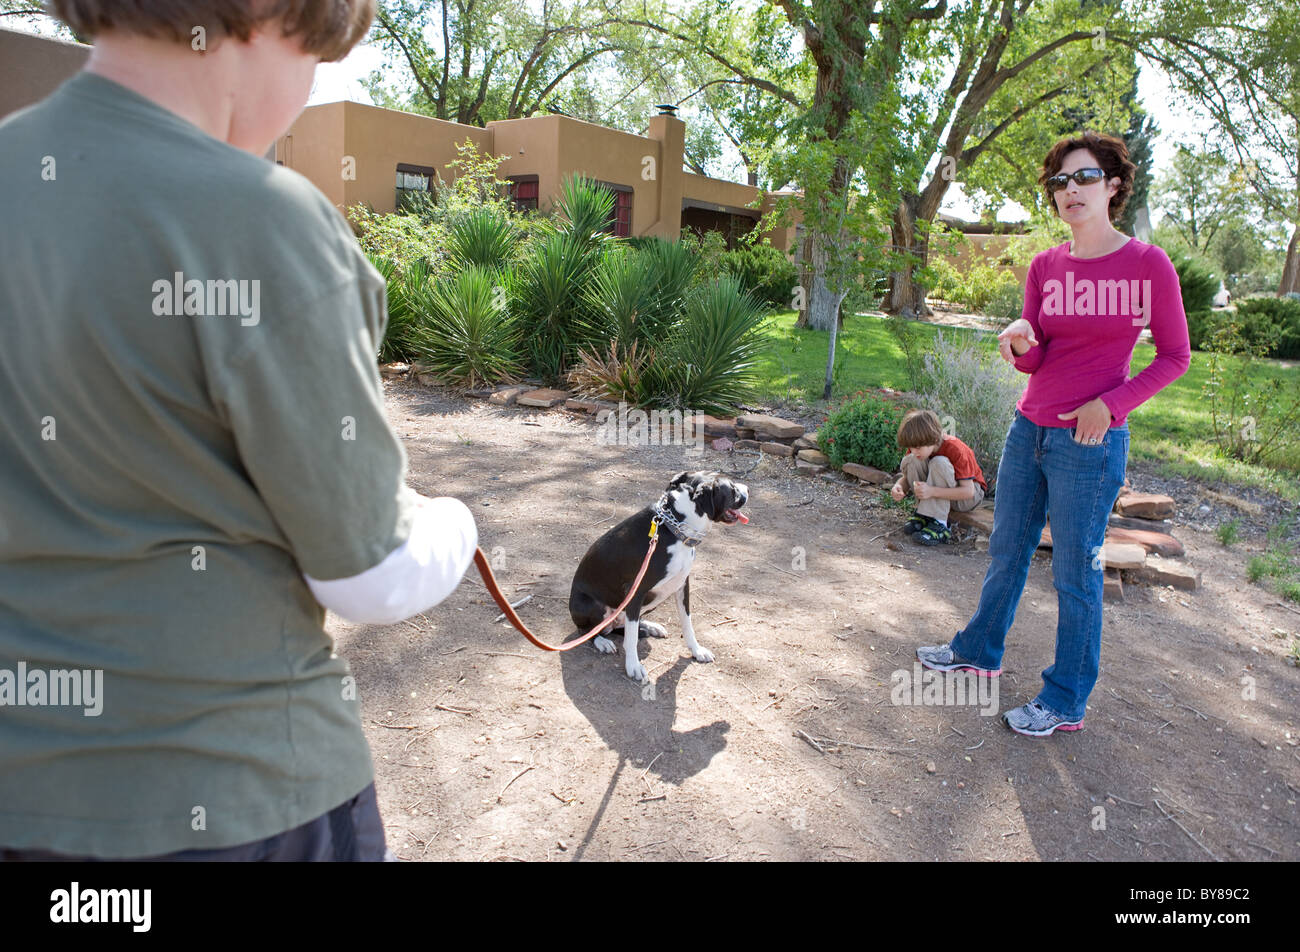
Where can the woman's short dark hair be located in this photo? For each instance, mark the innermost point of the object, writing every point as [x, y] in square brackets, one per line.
[1112, 156]
[326, 28]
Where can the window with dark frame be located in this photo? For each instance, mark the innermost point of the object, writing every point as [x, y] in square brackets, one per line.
[522, 190]
[412, 179]
[620, 220]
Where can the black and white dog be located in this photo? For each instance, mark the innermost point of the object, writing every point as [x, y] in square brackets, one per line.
[607, 571]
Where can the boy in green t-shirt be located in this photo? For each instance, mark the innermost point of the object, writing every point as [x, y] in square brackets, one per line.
[941, 471]
[195, 459]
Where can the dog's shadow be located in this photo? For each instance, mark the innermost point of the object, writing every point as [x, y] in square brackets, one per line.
[637, 721]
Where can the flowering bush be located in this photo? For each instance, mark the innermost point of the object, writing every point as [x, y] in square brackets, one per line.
[863, 429]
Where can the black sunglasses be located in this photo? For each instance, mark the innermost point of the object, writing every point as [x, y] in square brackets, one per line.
[1081, 176]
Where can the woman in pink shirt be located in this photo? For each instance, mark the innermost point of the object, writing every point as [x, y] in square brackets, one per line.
[1086, 302]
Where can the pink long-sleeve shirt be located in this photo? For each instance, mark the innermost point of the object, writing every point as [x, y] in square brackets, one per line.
[1087, 314]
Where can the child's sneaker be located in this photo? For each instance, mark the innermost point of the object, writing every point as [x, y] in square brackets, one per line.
[915, 524]
[1034, 720]
[934, 533]
[942, 658]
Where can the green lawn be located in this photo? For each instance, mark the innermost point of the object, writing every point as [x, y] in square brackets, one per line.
[1172, 430]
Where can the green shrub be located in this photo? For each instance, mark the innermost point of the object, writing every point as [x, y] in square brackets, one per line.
[979, 286]
[707, 250]
[863, 429]
[636, 294]
[406, 305]
[702, 361]
[973, 391]
[1200, 325]
[585, 210]
[481, 237]
[404, 240]
[1253, 418]
[467, 338]
[1007, 302]
[1272, 320]
[763, 271]
[674, 268]
[1197, 282]
[707, 363]
[549, 301]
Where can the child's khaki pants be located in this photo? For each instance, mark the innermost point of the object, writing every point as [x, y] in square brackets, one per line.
[937, 472]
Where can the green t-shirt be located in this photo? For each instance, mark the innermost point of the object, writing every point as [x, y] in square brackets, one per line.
[175, 450]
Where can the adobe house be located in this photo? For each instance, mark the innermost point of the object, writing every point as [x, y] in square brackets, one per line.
[365, 155]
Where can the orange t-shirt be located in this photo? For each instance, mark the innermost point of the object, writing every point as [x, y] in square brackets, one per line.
[964, 464]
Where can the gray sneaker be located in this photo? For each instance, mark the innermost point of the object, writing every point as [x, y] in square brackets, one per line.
[941, 658]
[1034, 720]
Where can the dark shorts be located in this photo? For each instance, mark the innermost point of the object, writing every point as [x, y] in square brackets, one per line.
[351, 832]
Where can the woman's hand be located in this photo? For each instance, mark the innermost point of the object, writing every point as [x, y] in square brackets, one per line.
[1092, 420]
[1019, 332]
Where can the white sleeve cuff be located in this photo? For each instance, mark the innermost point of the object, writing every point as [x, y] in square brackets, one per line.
[415, 576]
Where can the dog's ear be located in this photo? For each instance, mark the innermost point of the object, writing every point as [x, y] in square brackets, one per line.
[679, 479]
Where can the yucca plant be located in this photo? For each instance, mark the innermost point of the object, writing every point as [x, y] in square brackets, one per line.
[673, 268]
[481, 237]
[406, 290]
[549, 304]
[707, 362]
[585, 210]
[469, 337]
[624, 299]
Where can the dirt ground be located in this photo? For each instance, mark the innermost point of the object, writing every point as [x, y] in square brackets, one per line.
[487, 749]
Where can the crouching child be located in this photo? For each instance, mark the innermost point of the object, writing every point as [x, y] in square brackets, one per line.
[941, 471]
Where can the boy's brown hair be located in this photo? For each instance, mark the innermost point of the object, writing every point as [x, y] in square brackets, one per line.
[1112, 157]
[327, 28]
[919, 428]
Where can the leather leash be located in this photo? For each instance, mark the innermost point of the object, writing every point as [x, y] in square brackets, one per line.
[489, 580]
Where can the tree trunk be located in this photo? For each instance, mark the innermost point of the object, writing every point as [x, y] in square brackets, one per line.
[823, 303]
[805, 280]
[1291, 270]
[906, 297]
[830, 351]
[820, 302]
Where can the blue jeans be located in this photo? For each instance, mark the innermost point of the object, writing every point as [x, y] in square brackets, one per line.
[1044, 472]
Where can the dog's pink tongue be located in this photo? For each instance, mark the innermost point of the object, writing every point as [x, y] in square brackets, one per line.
[741, 517]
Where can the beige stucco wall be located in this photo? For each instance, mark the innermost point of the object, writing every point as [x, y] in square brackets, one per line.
[987, 249]
[381, 138]
[32, 67]
[530, 147]
[313, 146]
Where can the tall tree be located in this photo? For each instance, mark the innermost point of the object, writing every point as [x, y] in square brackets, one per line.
[1238, 61]
[1203, 191]
[492, 59]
